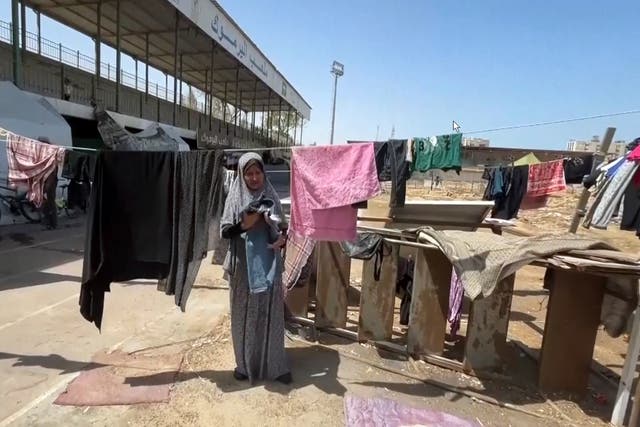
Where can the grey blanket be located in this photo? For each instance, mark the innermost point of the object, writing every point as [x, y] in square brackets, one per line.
[481, 260]
[198, 201]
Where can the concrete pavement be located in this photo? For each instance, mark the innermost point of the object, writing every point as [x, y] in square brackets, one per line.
[45, 342]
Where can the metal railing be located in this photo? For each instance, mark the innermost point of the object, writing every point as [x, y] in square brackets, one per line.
[74, 58]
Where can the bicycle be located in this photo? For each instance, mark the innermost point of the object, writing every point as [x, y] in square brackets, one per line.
[19, 205]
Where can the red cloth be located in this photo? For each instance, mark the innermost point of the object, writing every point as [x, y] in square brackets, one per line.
[635, 154]
[31, 162]
[546, 178]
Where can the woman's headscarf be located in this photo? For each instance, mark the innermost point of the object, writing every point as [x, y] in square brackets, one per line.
[240, 196]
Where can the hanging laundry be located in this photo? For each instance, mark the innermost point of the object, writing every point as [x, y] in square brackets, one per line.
[438, 152]
[456, 295]
[392, 165]
[605, 205]
[78, 168]
[410, 151]
[198, 200]
[217, 244]
[507, 186]
[404, 287]
[631, 209]
[325, 182]
[546, 178]
[129, 224]
[365, 247]
[298, 251]
[31, 163]
[635, 150]
[148, 219]
[576, 168]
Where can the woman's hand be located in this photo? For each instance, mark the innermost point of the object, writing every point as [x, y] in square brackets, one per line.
[249, 220]
[278, 244]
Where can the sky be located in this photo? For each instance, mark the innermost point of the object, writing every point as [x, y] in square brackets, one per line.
[417, 65]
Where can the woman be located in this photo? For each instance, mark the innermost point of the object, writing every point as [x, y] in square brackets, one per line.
[257, 319]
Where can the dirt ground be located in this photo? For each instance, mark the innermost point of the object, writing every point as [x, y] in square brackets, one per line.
[324, 371]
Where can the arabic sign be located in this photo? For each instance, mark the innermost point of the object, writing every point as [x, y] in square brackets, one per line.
[210, 17]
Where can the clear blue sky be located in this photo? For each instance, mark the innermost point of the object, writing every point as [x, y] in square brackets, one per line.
[418, 65]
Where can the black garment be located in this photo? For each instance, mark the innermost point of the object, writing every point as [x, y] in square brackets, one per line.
[128, 226]
[516, 179]
[198, 191]
[79, 166]
[488, 175]
[392, 165]
[365, 247]
[576, 168]
[79, 169]
[231, 231]
[404, 287]
[631, 210]
[49, 207]
[78, 194]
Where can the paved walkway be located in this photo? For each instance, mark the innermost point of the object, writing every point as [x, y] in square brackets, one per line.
[44, 341]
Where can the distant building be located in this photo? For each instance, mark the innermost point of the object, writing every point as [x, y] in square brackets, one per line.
[617, 148]
[475, 142]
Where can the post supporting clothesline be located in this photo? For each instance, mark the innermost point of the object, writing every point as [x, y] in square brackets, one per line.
[584, 197]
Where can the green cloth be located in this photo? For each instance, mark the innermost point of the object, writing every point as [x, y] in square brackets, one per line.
[529, 159]
[438, 152]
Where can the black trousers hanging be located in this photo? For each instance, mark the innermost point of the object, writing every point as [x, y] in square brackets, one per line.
[49, 208]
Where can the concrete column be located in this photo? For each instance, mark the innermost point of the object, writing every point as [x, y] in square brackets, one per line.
[253, 110]
[295, 129]
[279, 121]
[118, 55]
[15, 40]
[39, 35]
[23, 26]
[180, 81]
[237, 108]
[213, 53]
[301, 128]
[175, 68]
[146, 67]
[98, 47]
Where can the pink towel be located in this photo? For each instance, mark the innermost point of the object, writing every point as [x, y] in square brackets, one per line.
[325, 182]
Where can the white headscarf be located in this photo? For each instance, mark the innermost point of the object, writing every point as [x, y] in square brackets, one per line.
[239, 197]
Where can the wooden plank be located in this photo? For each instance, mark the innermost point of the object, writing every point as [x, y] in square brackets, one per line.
[573, 317]
[429, 303]
[298, 300]
[486, 344]
[377, 298]
[333, 271]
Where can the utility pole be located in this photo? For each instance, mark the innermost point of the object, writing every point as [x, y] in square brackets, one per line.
[337, 69]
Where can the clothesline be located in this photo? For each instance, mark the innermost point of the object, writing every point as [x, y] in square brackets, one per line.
[511, 164]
